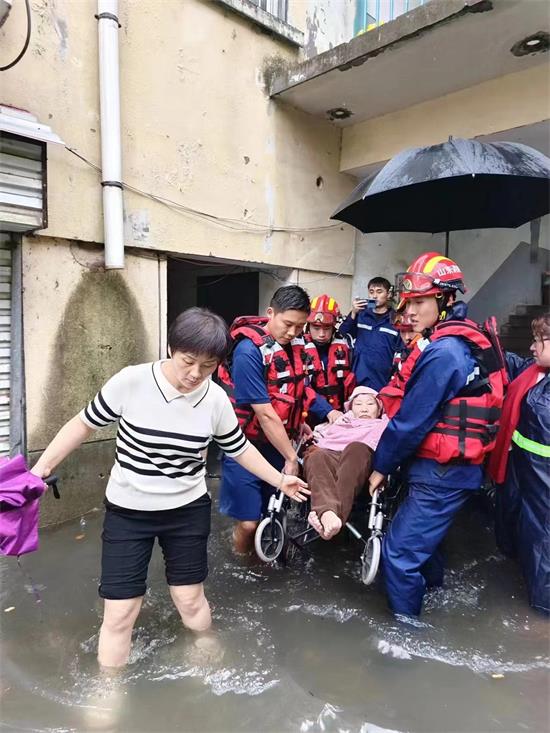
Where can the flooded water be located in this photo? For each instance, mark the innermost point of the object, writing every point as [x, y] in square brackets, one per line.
[305, 648]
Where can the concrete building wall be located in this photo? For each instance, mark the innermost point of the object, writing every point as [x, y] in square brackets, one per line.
[198, 129]
[81, 326]
[500, 104]
[479, 252]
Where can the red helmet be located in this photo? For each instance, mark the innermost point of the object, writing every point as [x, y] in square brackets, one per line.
[429, 274]
[324, 311]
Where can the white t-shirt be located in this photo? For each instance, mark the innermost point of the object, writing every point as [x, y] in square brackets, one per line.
[162, 435]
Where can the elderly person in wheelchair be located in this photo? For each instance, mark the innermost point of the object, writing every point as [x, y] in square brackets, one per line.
[338, 463]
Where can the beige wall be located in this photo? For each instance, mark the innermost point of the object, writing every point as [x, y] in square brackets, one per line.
[82, 325]
[500, 104]
[198, 129]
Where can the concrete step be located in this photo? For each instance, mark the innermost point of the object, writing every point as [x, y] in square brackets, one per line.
[532, 311]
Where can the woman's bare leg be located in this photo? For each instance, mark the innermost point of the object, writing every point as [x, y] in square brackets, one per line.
[192, 606]
[115, 635]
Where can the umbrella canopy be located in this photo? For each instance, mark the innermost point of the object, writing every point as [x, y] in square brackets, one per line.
[460, 184]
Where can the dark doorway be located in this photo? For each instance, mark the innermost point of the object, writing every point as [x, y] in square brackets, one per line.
[225, 289]
[229, 295]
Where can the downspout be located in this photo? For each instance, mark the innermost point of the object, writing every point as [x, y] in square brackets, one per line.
[111, 156]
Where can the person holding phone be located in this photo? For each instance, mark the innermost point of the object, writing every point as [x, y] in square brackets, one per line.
[376, 339]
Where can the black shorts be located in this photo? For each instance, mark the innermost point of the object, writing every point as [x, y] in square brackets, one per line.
[128, 539]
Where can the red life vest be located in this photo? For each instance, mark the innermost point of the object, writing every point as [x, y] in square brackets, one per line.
[466, 430]
[338, 381]
[286, 382]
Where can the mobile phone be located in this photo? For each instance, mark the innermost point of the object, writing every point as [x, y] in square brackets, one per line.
[369, 303]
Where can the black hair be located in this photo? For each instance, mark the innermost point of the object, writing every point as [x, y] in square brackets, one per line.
[199, 331]
[379, 280]
[290, 297]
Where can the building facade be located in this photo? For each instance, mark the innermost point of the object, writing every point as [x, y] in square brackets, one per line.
[233, 161]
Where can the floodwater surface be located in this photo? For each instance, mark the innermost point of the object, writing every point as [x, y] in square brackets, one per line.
[304, 648]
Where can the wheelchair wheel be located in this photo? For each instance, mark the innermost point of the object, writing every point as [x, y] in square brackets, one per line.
[370, 559]
[269, 539]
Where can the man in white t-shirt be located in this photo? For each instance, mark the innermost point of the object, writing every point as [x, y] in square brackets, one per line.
[167, 413]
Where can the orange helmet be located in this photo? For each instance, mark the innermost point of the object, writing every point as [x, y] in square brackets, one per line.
[429, 274]
[324, 311]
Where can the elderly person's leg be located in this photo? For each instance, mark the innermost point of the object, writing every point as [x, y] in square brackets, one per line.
[353, 471]
[321, 466]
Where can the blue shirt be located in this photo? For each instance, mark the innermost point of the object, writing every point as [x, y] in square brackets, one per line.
[248, 374]
[440, 373]
[376, 341]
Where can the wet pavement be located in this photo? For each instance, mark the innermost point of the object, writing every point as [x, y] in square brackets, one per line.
[304, 648]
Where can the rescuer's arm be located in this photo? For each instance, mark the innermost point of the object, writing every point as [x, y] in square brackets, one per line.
[275, 432]
[250, 389]
[438, 376]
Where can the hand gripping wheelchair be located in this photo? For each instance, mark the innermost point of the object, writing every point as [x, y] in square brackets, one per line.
[283, 530]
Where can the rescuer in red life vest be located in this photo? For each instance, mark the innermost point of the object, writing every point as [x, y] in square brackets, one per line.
[445, 414]
[267, 377]
[330, 352]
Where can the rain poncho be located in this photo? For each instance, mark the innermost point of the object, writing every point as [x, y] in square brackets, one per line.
[523, 500]
[20, 492]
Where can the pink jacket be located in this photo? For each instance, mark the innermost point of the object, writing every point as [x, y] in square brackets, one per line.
[349, 429]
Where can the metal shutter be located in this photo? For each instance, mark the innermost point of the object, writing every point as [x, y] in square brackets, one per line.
[21, 185]
[5, 344]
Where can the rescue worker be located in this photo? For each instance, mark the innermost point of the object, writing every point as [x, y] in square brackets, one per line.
[370, 324]
[266, 377]
[330, 353]
[445, 423]
[521, 464]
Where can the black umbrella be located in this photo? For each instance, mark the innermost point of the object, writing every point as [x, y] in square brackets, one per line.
[460, 184]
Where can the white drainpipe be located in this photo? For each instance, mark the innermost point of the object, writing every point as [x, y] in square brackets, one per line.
[111, 157]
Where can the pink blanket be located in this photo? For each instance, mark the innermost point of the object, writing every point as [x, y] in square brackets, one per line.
[349, 429]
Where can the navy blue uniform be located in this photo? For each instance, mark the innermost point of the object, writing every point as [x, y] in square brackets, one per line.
[244, 496]
[376, 341]
[411, 559]
[523, 501]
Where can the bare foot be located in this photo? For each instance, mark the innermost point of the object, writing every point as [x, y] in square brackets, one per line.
[332, 524]
[315, 522]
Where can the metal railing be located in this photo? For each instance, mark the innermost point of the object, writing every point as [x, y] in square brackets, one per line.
[372, 13]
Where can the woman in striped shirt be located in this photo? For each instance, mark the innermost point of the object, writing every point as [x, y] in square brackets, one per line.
[167, 413]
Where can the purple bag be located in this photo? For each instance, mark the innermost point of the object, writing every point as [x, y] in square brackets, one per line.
[20, 492]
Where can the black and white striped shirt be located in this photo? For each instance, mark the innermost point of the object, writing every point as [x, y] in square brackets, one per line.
[162, 436]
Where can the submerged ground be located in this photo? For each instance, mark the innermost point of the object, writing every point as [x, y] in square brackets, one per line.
[305, 648]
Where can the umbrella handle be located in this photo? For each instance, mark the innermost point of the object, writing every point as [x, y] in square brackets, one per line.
[52, 481]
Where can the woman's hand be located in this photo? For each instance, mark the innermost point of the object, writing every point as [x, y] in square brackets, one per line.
[376, 481]
[294, 487]
[333, 415]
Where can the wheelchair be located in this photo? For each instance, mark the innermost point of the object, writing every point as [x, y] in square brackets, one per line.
[279, 533]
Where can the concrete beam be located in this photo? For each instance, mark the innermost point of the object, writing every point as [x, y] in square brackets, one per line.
[368, 45]
[500, 104]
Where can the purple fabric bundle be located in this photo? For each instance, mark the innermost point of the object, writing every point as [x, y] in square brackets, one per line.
[20, 492]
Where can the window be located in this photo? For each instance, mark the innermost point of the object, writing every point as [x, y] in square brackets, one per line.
[278, 8]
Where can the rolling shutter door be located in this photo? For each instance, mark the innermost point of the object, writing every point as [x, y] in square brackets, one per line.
[21, 174]
[5, 344]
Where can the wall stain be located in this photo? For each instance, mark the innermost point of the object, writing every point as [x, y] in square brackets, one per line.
[101, 331]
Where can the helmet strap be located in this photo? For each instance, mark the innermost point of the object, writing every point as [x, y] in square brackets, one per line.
[442, 302]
